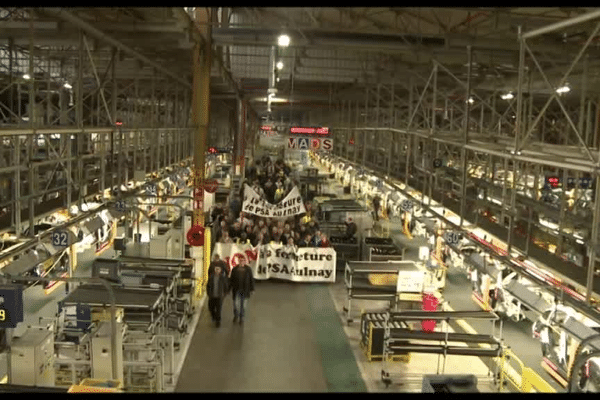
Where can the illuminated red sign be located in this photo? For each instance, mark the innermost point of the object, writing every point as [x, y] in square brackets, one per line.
[309, 130]
[553, 181]
[265, 128]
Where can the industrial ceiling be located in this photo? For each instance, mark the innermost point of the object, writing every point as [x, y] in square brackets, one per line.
[334, 51]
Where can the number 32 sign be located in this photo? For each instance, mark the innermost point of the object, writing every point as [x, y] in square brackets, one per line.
[60, 239]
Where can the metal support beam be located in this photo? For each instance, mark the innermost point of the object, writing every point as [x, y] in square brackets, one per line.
[466, 138]
[562, 24]
[201, 112]
[69, 17]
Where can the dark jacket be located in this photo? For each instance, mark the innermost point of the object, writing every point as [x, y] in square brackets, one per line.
[351, 229]
[221, 290]
[213, 264]
[242, 280]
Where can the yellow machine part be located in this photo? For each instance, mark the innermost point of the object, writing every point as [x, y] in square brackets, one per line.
[382, 279]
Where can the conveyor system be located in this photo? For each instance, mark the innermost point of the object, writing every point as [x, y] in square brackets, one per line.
[174, 276]
[370, 280]
[346, 249]
[143, 307]
[403, 340]
[372, 327]
[381, 249]
[534, 303]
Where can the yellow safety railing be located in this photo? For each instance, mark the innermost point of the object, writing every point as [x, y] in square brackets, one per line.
[206, 262]
[405, 227]
[526, 381]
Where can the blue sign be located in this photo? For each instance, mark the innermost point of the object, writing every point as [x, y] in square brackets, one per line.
[120, 206]
[60, 239]
[585, 182]
[379, 184]
[151, 189]
[451, 238]
[11, 305]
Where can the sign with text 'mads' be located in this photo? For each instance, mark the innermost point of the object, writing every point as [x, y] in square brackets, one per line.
[254, 204]
[305, 264]
[309, 143]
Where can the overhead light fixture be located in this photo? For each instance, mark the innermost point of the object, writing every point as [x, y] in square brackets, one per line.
[279, 65]
[471, 101]
[563, 89]
[277, 79]
[67, 86]
[26, 76]
[507, 96]
[283, 40]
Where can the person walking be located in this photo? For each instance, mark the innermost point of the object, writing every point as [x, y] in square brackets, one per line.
[217, 262]
[242, 286]
[217, 288]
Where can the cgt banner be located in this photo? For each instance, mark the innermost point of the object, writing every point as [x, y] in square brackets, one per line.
[307, 264]
[254, 204]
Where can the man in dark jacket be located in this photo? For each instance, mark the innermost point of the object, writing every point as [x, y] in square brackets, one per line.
[217, 262]
[216, 288]
[351, 229]
[242, 285]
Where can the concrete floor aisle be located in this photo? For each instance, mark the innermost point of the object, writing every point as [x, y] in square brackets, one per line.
[291, 341]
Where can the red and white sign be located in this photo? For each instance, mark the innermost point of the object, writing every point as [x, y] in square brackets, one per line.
[300, 143]
[309, 131]
[195, 236]
[211, 186]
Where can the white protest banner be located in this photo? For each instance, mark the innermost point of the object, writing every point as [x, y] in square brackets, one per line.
[231, 253]
[254, 204]
[306, 264]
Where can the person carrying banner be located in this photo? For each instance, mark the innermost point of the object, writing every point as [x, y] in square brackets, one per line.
[225, 238]
[242, 286]
[279, 192]
[217, 288]
[316, 239]
[324, 241]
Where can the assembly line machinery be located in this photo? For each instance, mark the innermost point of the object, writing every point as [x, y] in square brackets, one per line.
[382, 281]
[399, 339]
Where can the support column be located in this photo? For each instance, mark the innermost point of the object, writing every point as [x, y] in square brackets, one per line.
[201, 113]
[465, 139]
[392, 123]
[239, 139]
[520, 131]
[592, 249]
[17, 186]
[407, 140]
[364, 132]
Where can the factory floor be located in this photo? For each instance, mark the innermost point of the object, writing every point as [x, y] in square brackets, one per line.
[296, 339]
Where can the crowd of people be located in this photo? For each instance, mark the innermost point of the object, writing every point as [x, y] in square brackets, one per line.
[273, 182]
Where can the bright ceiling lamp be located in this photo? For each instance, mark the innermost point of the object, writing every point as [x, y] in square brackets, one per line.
[283, 40]
[279, 65]
[563, 89]
[471, 101]
[67, 86]
[26, 76]
[507, 96]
